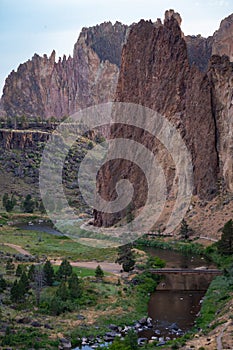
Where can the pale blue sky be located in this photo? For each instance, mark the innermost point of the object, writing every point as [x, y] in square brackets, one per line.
[39, 26]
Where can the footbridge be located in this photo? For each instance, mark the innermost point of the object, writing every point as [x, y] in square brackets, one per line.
[197, 279]
[197, 271]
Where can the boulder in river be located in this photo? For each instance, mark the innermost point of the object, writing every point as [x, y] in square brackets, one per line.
[142, 341]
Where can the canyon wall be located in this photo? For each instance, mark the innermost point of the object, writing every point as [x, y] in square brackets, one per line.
[220, 43]
[157, 72]
[42, 87]
[188, 80]
[221, 79]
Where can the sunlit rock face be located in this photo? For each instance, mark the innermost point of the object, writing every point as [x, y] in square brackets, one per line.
[42, 87]
[161, 70]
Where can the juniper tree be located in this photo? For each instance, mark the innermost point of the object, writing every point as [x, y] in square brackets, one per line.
[225, 245]
[126, 257]
[28, 204]
[31, 273]
[48, 273]
[65, 270]
[19, 271]
[74, 286]
[185, 230]
[62, 291]
[10, 267]
[99, 273]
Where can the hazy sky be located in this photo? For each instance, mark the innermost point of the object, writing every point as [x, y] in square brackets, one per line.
[29, 26]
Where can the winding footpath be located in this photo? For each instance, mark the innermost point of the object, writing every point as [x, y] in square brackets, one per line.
[18, 248]
[219, 337]
[105, 265]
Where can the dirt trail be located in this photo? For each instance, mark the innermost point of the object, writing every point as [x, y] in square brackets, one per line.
[18, 248]
[219, 337]
[106, 266]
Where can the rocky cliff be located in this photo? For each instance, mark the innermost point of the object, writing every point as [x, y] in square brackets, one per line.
[183, 78]
[42, 87]
[223, 38]
[221, 80]
[156, 72]
[220, 43]
[199, 51]
[20, 140]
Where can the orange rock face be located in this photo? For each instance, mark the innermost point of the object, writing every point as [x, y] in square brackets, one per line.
[157, 72]
[42, 87]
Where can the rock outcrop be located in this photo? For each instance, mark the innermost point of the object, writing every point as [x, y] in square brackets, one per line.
[20, 140]
[221, 78]
[44, 88]
[188, 80]
[223, 38]
[221, 43]
[156, 72]
[199, 51]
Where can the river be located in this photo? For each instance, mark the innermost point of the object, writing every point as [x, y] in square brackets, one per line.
[173, 312]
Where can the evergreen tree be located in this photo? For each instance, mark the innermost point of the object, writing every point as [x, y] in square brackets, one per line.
[5, 198]
[13, 200]
[24, 283]
[18, 290]
[225, 245]
[24, 122]
[56, 306]
[38, 282]
[15, 292]
[74, 286]
[3, 284]
[126, 257]
[31, 273]
[42, 208]
[10, 267]
[19, 271]
[62, 291]
[9, 123]
[8, 203]
[28, 204]
[185, 231]
[48, 273]
[99, 273]
[65, 270]
[9, 206]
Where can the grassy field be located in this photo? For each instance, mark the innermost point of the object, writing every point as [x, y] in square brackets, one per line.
[54, 247]
[83, 271]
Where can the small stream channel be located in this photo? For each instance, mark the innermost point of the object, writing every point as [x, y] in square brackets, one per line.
[173, 312]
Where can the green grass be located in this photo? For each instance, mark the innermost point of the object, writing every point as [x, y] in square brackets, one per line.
[182, 247]
[40, 243]
[216, 297]
[27, 338]
[5, 249]
[82, 271]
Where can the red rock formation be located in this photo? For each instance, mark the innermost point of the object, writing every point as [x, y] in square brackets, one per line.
[223, 38]
[221, 77]
[42, 87]
[15, 139]
[199, 50]
[156, 73]
[221, 43]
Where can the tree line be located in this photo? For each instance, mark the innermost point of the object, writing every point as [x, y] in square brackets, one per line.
[32, 281]
[27, 204]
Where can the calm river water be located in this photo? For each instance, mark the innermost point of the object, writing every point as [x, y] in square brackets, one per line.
[169, 310]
